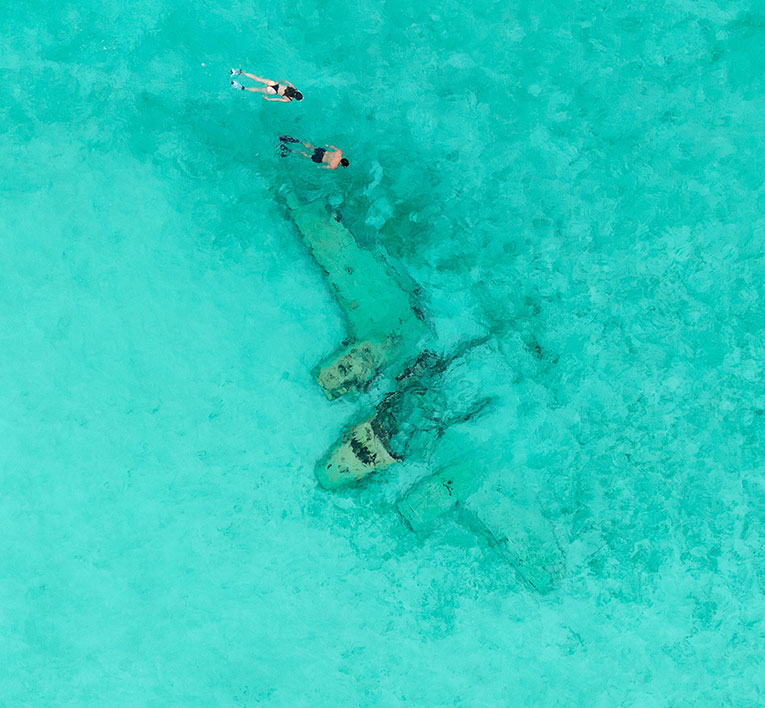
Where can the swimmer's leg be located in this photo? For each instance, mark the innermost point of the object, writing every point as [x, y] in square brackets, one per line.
[284, 151]
[257, 78]
[237, 85]
[290, 139]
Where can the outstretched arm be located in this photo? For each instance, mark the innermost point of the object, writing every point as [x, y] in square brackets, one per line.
[278, 100]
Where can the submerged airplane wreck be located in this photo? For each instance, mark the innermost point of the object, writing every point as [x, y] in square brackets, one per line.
[429, 412]
[383, 319]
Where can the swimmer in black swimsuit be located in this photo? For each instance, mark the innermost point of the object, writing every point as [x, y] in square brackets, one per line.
[283, 93]
[318, 155]
[327, 159]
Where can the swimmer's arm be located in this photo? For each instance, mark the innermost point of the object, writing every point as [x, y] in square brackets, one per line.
[278, 100]
[334, 147]
[288, 84]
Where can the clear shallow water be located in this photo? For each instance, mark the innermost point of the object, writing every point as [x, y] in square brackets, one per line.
[599, 201]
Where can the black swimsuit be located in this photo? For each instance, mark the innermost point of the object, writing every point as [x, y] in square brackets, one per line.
[275, 87]
[318, 155]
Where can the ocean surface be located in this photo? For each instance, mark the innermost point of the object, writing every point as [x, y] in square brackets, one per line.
[578, 184]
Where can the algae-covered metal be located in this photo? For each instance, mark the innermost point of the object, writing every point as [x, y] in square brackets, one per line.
[384, 324]
[434, 396]
[513, 523]
[523, 535]
[406, 422]
[360, 452]
[434, 496]
[352, 368]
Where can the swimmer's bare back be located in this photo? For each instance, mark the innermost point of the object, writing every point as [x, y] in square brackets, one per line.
[332, 159]
[326, 159]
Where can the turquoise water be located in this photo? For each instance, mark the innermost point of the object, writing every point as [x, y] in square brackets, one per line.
[580, 183]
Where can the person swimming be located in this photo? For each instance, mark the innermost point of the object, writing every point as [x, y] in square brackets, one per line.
[326, 159]
[283, 93]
